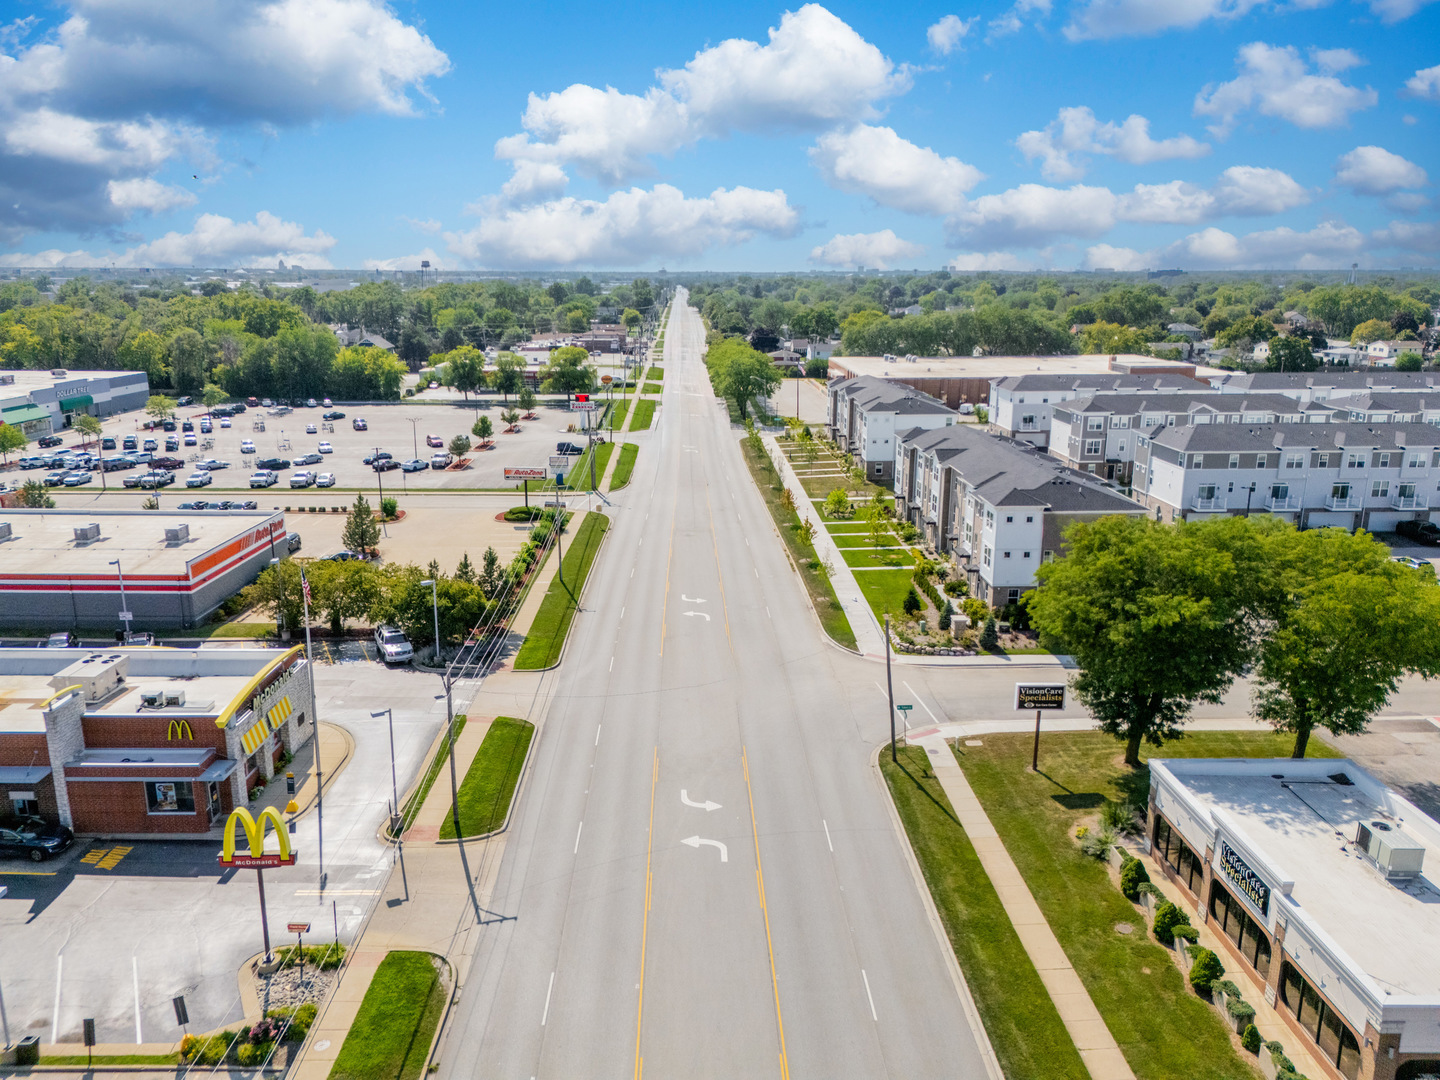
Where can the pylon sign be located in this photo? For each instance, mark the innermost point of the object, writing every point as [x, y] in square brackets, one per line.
[257, 858]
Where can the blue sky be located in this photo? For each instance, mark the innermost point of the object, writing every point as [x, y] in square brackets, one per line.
[1039, 134]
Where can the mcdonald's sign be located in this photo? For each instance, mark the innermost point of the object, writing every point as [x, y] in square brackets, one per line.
[179, 729]
[258, 858]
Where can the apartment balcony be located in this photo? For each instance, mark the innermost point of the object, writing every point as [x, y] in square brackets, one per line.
[1209, 506]
[1347, 502]
[1410, 502]
[1290, 504]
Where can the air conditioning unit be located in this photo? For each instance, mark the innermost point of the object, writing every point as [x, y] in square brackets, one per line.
[87, 533]
[152, 698]
[1396, 854]
[4, 530]
[178, 535]
[174, 698]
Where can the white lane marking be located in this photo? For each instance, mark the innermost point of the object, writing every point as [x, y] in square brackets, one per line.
[827, 836]
[546, 1014]
[767, 612]
[576, 851]
[135, 977]
[700, 613]
[747, 541]
[707, 805]
[55, 1023]
[882, 691]
[696, 841]
[622, 611]
[612, 663]
[757, 570]
[921, 700]
[692, 599]
[597, 734]
[869, 995]
[632, 571]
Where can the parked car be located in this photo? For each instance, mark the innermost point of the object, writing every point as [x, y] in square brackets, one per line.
[107, 443]
[1424, 532]
[248, 504]
[334, 414]
[31, 462]
[247, 446]
[191, 440]
[309, 459]
[325, 448]
[264, 479]
[568, 448]
[65, 639]
[292, 542]
[130, 443]
[327, 403]
[1406, 560]
[170, 425]
[157, 479]
[395, 647]
[132, 481]
[434, 440]
[359, 424]
[188, 425]
[35, 843]
[441, 461]
[301, 479]
[311, 429]
[376, 455]
[274, 464]
[385, 465]
[55, 479]
[224, 421]
[47, 441]
[325, 480]
[182, 402]
[311, 403]
[206, 427]
[172, 444]
[199, 479]
[151, 445]
[414, 465]
[211, 465]
[78, 479]
[168, 463]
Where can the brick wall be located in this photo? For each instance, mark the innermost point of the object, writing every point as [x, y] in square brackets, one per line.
[99, 807]
[19, 748]
[151, 730]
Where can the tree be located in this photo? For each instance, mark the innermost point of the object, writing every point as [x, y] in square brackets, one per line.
[508, 376]
[741, 374]
[343, 590]
[491, 576]
[511, 417]
[1370, 330]
[33, 496]
[526, 399]
[412, 608]
[465, 571]
[483, 429]
[188, 356]
[277, 590]
[463, 370]
[88, 426]
[837, 504]
[1108, 337]
[911, 603]
[213, 396]
[631, 318]
[945, 619]
[11, 439]
[1409, 360]
[874, 516]
[1291, 354]
[1346, 624]
[459, 445]
[361, 533]
[990, 636]
[567, 371]
[1154, 616]
[160, 407]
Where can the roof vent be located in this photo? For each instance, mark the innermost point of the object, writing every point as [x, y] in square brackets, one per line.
[4, 530]
[87, 533]
[178, 535]
[153, 698]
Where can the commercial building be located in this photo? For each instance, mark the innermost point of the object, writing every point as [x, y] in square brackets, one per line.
[1321, 883]
[1021, 406]
[997, 506]
[129, 741]
[78, 569]
[866, 413]
[43, 402]
[1367, 476]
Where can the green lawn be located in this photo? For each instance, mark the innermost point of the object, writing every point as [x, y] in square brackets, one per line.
[896, 557]
[652, 388]
[655, 374]
[644, 414]
[412, 808]
[1019, 1017]
[113, 1059]
[1036, 816]
[390, 1037]
[552, 622]
[861, 538]
[884, 589]
[617, 415]
[490, 781]
[817, 585]
[228, 630]
[580, 478]
[624, 467]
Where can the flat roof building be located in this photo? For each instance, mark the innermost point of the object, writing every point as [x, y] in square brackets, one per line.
[58, 568]
[128, 741]
[42, 402]
[1325, 886]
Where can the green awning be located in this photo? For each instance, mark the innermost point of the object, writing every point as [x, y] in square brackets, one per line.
[24, 414]
[73, 404]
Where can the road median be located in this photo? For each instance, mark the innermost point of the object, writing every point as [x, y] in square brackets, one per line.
[546, 638]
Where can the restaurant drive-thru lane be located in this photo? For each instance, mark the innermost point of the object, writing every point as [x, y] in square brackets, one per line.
[702, 878]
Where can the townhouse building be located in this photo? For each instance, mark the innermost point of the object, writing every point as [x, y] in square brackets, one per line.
[1021, 406]
[1098, 434]
[998, 507]
[1355, 475]
[1387, 407]
[1322, 385]
[866, 413]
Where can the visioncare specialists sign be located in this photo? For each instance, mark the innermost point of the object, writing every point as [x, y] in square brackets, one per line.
[1245, 880]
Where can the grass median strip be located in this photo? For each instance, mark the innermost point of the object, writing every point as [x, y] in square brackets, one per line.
[654, 374]
[643, 415]
[546, 638]
[617, 415]
[624, 467]
[412, 808]
[1163, 1029]
[490, 781]
[390, 1037]
[1024, 1028]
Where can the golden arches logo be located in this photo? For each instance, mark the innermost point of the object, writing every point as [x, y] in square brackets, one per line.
[255, 832]
[179, 729]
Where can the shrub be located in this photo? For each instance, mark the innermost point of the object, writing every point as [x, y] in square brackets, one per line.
[1147, 888]
[912, 603]
[389, 508]
[249, 1055]
[1117, 816]
[1239, 1010]
[1185, 932]
[1206, 970]
[990, 637]
[837, 504]
[1167, 917]
[1228, 988]
[265, 1030]
[1250, 1040]
[956, 588]
[945, 617]
[523, 513]
[325, 957]
[1132, 875]
[1097, 844]
[909, 532]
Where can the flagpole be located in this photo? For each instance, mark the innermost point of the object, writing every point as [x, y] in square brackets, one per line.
[319, 773]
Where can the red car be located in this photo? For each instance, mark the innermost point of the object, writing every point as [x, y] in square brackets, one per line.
[434, 440]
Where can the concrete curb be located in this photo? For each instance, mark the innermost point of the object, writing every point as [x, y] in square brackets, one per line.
[514, 796]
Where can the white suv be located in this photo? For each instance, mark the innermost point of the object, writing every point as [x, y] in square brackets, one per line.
[395, 647]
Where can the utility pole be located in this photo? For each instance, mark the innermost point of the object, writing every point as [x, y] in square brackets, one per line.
[319, 772]
[380, 480]
[890, 688]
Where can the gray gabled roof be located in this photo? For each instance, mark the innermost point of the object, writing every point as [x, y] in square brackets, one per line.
[1259, 438]
[1190, 400]
[1280, 381]
[1040, 381]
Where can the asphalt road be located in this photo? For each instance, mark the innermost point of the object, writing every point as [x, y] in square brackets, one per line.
[777, 932]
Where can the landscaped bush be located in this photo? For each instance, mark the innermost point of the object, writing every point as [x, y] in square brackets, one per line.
[523, 513]
[1132, 875]
[211, 1051]
[1239, 1010]
[300, 1020]
[957, 587]
[990, 636]
[249, 1055]
[1117, 816]
[1250, 1040]
[1167, 917]
[1185, 932]
[389, 508]
[1206, 970]
[326, 957]
[908, 532]
[912, 604]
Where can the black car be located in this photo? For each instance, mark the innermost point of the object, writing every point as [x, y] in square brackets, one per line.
[333, 414]
[248, 504]
[273, 464]
[385, 465]
[189, 506]
[237, 409]
[170, 425]
[47, 441]
[35, 841]
[567, 448]
[107, 443]
[377, 455]
[184, 401]
[1423, 532]
[170, 463]
[292, 542]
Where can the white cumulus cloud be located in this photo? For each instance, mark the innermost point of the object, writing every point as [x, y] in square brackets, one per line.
[948, 34]
[1032, 214]
[1425, 83]
[627, 229]
[1329, 244]
[1393, 11]
[411, 262]
[1108, 257]
[1125, 18]
[893, 171]
[144, 194]
[1373, 170]
[1276, 81]
[880, 250]
[973, 261]
[1421, 236]
[1076, 132]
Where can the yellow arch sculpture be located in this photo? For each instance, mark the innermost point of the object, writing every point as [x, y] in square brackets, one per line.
[255, 831]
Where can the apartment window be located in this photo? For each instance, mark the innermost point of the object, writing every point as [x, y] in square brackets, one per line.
[1234, 461]
[1030, 519]
[1262, 461]
[1294, 461]
[1340, 492]
[1405, 491]
[1120, 422]
[1149, 421]
[1122, 446]
[1028, 421]
[1095, 423]
[1322, 461]
[1044, 401]
[989, 519]
[1026, 555]
[1205, 491]
[1355, 461]
[1048, 556]
[1380, 489]
[1007, 554]
[986, 557]
[1416, 462]
[1382, 461]
[1092, 446]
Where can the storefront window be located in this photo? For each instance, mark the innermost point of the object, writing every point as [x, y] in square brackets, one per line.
[170, 797]
[1244, 932]
[1323, 1023]
[1188, 867]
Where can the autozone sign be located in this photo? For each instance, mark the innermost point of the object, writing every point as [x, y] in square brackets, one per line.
[583, 406]
[525, 474]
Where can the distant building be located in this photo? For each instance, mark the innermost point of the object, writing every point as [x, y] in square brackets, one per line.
[364, 339]
[42, 402]
[866, 413]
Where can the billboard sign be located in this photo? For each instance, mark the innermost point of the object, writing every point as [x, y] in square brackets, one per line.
[1039, 696]
[559, 461]
[525, 474]
[584, 406]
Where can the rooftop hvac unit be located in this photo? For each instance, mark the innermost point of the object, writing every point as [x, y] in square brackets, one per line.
[152, 698]
[174, 698]
[4, 530]
[86, 533]
[178, 535]
[1396, 855]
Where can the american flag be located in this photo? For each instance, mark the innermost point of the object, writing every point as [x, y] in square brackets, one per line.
[305, 586]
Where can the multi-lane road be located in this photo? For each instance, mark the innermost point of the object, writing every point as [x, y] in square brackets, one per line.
[702, 878]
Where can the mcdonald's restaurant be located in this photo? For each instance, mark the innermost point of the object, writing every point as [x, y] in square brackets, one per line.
[1323, 887]
[133, 741]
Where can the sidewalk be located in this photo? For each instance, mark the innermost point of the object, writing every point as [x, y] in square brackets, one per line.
[1097, 1047]
[426, 826]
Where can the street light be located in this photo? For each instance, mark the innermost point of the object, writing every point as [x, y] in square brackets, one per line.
[414, 434]
[125, 614]
[394, 790]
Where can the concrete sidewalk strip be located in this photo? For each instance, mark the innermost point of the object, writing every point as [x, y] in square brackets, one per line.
[427, 823]
[1097, 1047]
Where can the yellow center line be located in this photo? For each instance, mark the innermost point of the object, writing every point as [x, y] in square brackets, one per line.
[645, 923]
[765, 911]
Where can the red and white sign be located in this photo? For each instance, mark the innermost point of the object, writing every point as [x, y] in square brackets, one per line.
[257, 862]
[298, 927]
[525, 474]
[584, 406]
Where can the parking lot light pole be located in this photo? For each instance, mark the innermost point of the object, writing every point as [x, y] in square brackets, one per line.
[415, 434]
[449, 712]
[125, 612]
[380, 480]
[394, 789]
